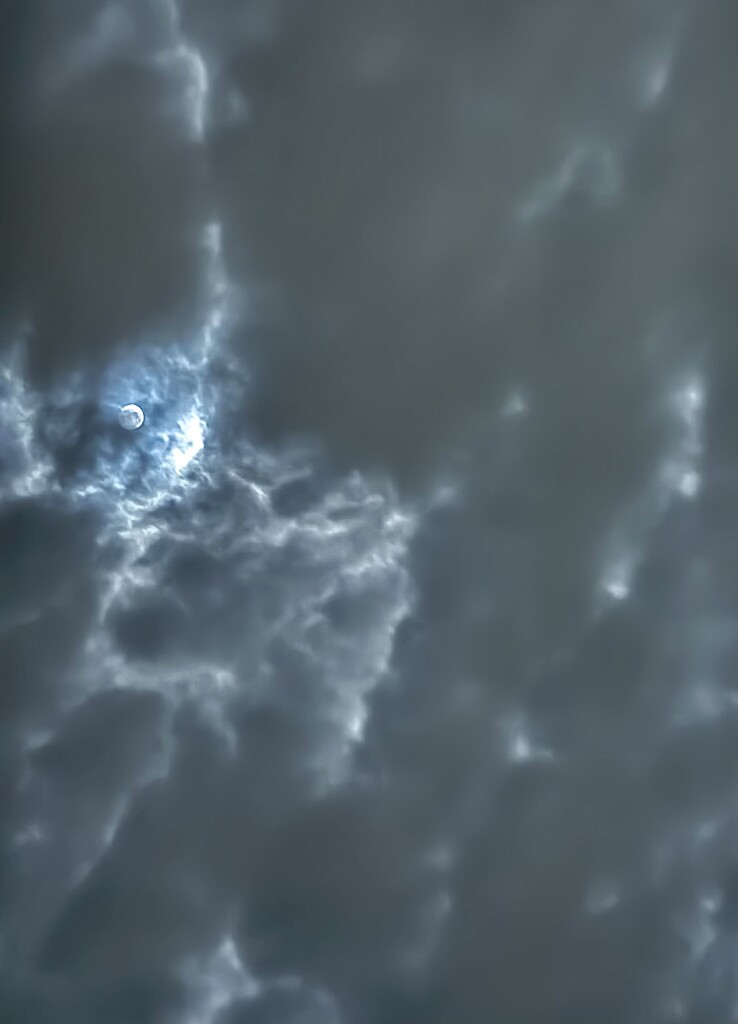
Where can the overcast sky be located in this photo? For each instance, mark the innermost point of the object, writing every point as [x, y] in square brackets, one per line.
[387, 673]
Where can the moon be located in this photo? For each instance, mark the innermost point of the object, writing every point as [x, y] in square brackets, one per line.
[131, 417]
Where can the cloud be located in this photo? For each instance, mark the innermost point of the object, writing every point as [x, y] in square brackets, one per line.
[386, 673]
[224, 612]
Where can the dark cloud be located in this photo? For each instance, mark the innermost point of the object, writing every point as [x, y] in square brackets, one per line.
[46, 603]
[286, 1004]
[386, 674]
[92, 164]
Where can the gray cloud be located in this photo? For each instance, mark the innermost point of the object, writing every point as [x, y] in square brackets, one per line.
[386, 673]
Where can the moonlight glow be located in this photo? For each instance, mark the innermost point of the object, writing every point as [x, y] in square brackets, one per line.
[191, 441]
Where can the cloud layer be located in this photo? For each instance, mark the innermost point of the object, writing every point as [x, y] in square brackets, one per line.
[387, 673]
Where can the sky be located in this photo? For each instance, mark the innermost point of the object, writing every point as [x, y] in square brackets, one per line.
[387, 672]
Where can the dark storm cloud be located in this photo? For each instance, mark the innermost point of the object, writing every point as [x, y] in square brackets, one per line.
[285, 1004]
[46, 607]
[215, 683]
[91, 164]
[284, 739]
[388, 155]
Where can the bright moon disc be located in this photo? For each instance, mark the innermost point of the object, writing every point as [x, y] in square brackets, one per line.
[131, 417]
